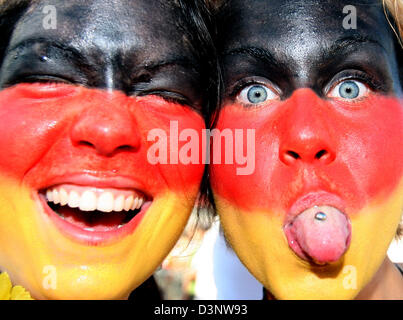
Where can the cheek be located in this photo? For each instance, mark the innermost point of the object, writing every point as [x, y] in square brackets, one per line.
[28, 128]
[173, 139]
[35, 129]
[367, 161]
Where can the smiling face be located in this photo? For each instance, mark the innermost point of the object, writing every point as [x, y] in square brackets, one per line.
[85, 214]
[325, 198]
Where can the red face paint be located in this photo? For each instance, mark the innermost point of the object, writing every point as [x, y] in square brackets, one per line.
[52, 131]
[55, 137]
[314, 155]
[351, 150]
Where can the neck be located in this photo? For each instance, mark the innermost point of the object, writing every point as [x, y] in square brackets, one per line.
[387, 284]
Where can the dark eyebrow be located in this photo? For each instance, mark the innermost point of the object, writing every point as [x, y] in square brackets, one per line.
[343, 46]
[49, 43]
[347, 45]
[151, 66]
[257, 53]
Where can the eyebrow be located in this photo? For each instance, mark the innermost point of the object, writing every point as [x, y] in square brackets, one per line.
[50, 43]
[151, 66]
[348, 44]
[257, 53]
[343, 46]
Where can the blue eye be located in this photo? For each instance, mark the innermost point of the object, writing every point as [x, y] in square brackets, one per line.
[256, 94]
[349, 90]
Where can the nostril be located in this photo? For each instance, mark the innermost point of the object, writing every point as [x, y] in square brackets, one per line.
[320, 154]
[85, 143]
[293, 154]
[289, 157]
[125, 148]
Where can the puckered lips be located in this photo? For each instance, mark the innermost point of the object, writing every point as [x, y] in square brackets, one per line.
[94, 211]
[317, 228]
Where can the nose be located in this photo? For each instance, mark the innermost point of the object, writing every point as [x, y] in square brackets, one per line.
[305, 135]
[107, 127]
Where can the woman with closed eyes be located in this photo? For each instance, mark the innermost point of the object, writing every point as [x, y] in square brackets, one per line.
[85, 213]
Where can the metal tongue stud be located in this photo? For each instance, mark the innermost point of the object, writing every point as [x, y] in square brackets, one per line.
[321, 216]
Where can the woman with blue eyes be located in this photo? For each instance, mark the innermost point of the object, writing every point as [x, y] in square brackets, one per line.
[316, 217]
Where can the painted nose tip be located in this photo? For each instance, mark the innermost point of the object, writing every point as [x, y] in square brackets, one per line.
[106, 134]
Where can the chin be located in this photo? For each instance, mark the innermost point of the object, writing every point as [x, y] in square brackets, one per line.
[58, 258]
[258, 238]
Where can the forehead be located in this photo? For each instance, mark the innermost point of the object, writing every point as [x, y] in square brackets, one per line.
[104, 24]
[310, 22]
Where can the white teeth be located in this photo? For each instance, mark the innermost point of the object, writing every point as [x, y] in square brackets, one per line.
[64, 197]
[49, 195]
[88, 201]
[56, 198]
[137, 203]
[140, 203]
[74, 200]
[128, 203]
[91, 200]
[105, 202]
[119, 203]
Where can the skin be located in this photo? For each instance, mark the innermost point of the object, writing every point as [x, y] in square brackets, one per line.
[313, 146]
[80, 101]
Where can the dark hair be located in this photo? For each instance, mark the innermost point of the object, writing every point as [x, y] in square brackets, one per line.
[10, 12]
[200, 30]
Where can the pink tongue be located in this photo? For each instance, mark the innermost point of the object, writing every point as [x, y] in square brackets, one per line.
[321, 233]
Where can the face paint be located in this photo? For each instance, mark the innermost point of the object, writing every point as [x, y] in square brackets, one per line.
[85, 213]
[83, 140]
[325, 198]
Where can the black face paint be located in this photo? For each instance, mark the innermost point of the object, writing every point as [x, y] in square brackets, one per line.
[128, 51]
[322, 101]
[295, 44]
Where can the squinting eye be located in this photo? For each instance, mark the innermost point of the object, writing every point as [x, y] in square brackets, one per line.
[255, 94]
[349, 89]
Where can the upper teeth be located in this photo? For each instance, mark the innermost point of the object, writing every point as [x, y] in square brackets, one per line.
[95, 199]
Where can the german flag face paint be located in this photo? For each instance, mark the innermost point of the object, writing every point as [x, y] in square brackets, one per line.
[100, 133]
[315, 217]
[308, 223]
[85, 213]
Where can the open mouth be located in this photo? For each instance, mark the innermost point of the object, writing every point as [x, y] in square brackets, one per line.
[93, 212]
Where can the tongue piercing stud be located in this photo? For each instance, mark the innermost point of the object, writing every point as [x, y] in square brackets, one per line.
[320, 216]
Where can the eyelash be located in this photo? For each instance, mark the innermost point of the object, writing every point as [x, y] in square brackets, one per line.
[168, 96]
[365, 78]
[243, 83]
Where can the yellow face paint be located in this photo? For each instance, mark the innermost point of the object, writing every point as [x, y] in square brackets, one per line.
[50, 265]
[95, 143]
[259, 241]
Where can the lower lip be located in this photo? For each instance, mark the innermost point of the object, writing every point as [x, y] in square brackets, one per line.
[90, 237]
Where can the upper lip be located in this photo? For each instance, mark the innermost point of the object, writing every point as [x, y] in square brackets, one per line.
[99, 181]
[308, 200]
